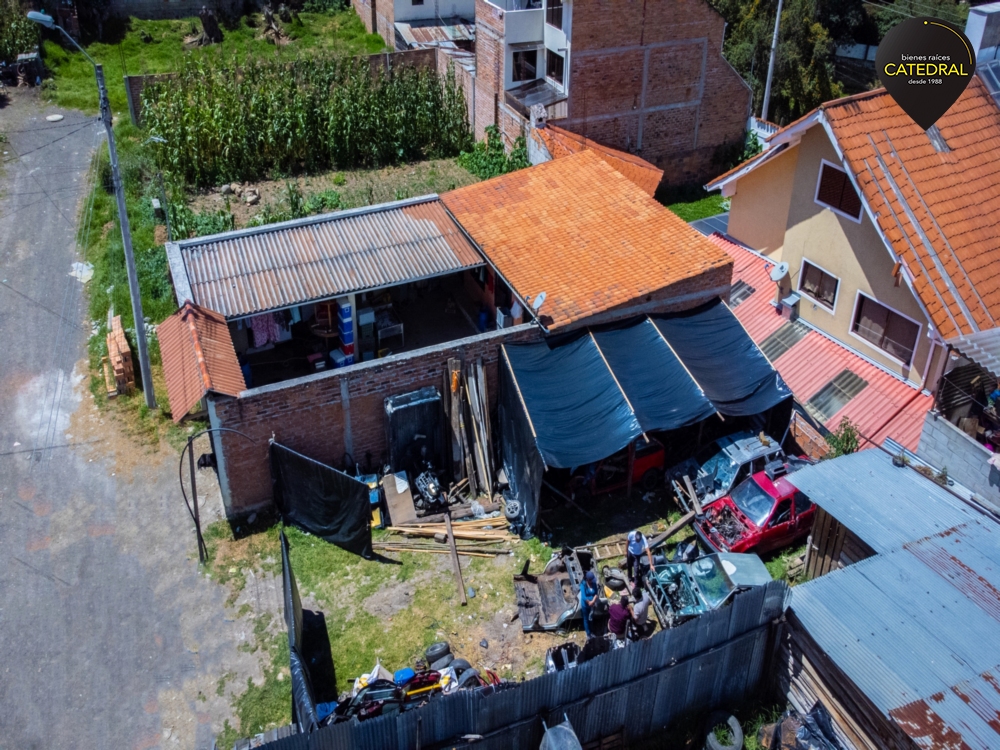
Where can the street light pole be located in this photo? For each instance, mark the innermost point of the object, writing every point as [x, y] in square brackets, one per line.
[770, 66]
[133, 277]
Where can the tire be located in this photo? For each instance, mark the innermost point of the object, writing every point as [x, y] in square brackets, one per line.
[511, 509]
[735, 732]
[651, 480]
[469, 678]
[437, 651]
[460, 665]
[441, 663]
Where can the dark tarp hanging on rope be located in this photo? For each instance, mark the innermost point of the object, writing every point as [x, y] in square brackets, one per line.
[574, 404]
[723, 359]
[321, 500]
[586, 397]
[662, 394]
[303, 703]
[521, 460]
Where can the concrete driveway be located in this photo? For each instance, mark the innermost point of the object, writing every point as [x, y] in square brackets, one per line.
[110, 636]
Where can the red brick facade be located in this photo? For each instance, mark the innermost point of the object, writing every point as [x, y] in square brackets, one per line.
[378, 17]
[649, 78]
[309, 415]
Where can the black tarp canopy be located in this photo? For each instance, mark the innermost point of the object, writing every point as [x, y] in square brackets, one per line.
[583, 399]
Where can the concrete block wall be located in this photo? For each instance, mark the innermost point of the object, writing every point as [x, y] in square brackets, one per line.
[650, 79]
[944, 446]
[310, 414]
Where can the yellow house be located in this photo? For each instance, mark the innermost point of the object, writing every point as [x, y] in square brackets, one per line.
[891, 234]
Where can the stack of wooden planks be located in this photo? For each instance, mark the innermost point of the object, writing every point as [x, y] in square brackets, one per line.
[479, 530]
[467, 407]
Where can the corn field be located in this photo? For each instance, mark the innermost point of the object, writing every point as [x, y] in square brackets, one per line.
[261, 119]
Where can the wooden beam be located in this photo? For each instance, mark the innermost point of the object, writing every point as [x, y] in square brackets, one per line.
[671, 530]
[454, 560]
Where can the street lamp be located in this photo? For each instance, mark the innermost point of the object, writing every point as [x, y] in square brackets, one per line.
[133, 278]
[192, 505]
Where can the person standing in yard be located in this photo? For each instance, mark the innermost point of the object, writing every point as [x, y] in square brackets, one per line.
[637, 544]
[588, 599]
[640, 613]
[619, 616]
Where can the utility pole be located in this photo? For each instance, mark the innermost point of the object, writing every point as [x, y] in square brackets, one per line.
[133, 278]
[770, 65]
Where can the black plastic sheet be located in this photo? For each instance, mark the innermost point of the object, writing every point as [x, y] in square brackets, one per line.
[521, 460]
[723, 359]
[662, 394]
[303, 702]
[576, 408]
[321, 500]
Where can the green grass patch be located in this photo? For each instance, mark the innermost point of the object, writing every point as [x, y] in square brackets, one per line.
[778, 563]
[692, 205]
[72, 83]
[264, 706]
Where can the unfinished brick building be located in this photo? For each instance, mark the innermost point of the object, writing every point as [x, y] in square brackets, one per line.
[647, 77]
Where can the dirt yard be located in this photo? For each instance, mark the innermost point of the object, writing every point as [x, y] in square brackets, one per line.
[355, 188]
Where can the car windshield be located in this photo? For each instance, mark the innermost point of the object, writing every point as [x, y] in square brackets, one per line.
[753, 501]
[711, 580]
[712, 460]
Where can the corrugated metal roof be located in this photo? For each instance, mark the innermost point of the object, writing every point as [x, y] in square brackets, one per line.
[915, 628]
[983, 348]
[251, 271]
[198, 357]
[887, 407]
[436, 31]
[886, 506]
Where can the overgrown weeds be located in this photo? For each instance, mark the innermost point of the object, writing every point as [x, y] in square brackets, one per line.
[488, 157]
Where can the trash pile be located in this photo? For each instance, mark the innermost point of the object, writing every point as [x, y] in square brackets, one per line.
[384, 693]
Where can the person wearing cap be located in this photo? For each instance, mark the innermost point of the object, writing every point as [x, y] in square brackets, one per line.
[644, 627]
[588, 599]
[637, 544]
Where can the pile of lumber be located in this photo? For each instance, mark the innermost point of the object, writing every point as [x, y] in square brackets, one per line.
[479, 530]
[467, 407]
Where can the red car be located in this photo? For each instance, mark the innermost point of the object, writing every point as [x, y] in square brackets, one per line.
[647, 459]
[763, 513]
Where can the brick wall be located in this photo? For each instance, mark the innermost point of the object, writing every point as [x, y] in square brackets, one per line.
[364, 10]
[463, 77]
[650, 78]
[944, 446]
[309, 415]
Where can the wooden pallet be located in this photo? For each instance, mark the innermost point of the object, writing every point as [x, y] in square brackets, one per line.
[608, 550]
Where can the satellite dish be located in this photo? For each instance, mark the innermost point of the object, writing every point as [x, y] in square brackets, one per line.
[539, 300]
[779, 272]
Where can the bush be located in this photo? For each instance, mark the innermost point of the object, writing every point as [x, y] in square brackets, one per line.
[325, 6]
[845, 439]
[267, 118]
[489, 159]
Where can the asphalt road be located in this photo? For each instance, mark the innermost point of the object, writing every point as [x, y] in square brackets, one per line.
[109, 636]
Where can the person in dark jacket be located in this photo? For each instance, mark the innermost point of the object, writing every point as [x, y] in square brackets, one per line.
[619, 617]
[588, 599]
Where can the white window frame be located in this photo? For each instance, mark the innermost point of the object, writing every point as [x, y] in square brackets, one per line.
[818, 202]
[854, 314]
[816, 302]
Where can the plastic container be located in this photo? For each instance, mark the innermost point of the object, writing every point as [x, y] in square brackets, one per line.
[339, 359]
[347, 336]
[347, 349]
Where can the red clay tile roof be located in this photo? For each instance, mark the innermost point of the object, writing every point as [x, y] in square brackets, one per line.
[950, 200]
[953, 196]
[579, 231]
[562, 143]
[887, 407]
[198, 357]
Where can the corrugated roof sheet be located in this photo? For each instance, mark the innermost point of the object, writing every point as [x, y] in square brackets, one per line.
[915, 626]
[251, 271]
[581, 232]
[560, 143]
[884, 505]
[887, 407]
[983, 348]
[436, 31]
[198, 357]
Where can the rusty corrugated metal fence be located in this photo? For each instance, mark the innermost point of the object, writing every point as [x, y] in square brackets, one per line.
[717, 660]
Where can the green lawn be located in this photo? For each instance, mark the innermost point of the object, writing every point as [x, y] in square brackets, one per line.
[72, 82]
[700, 208]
